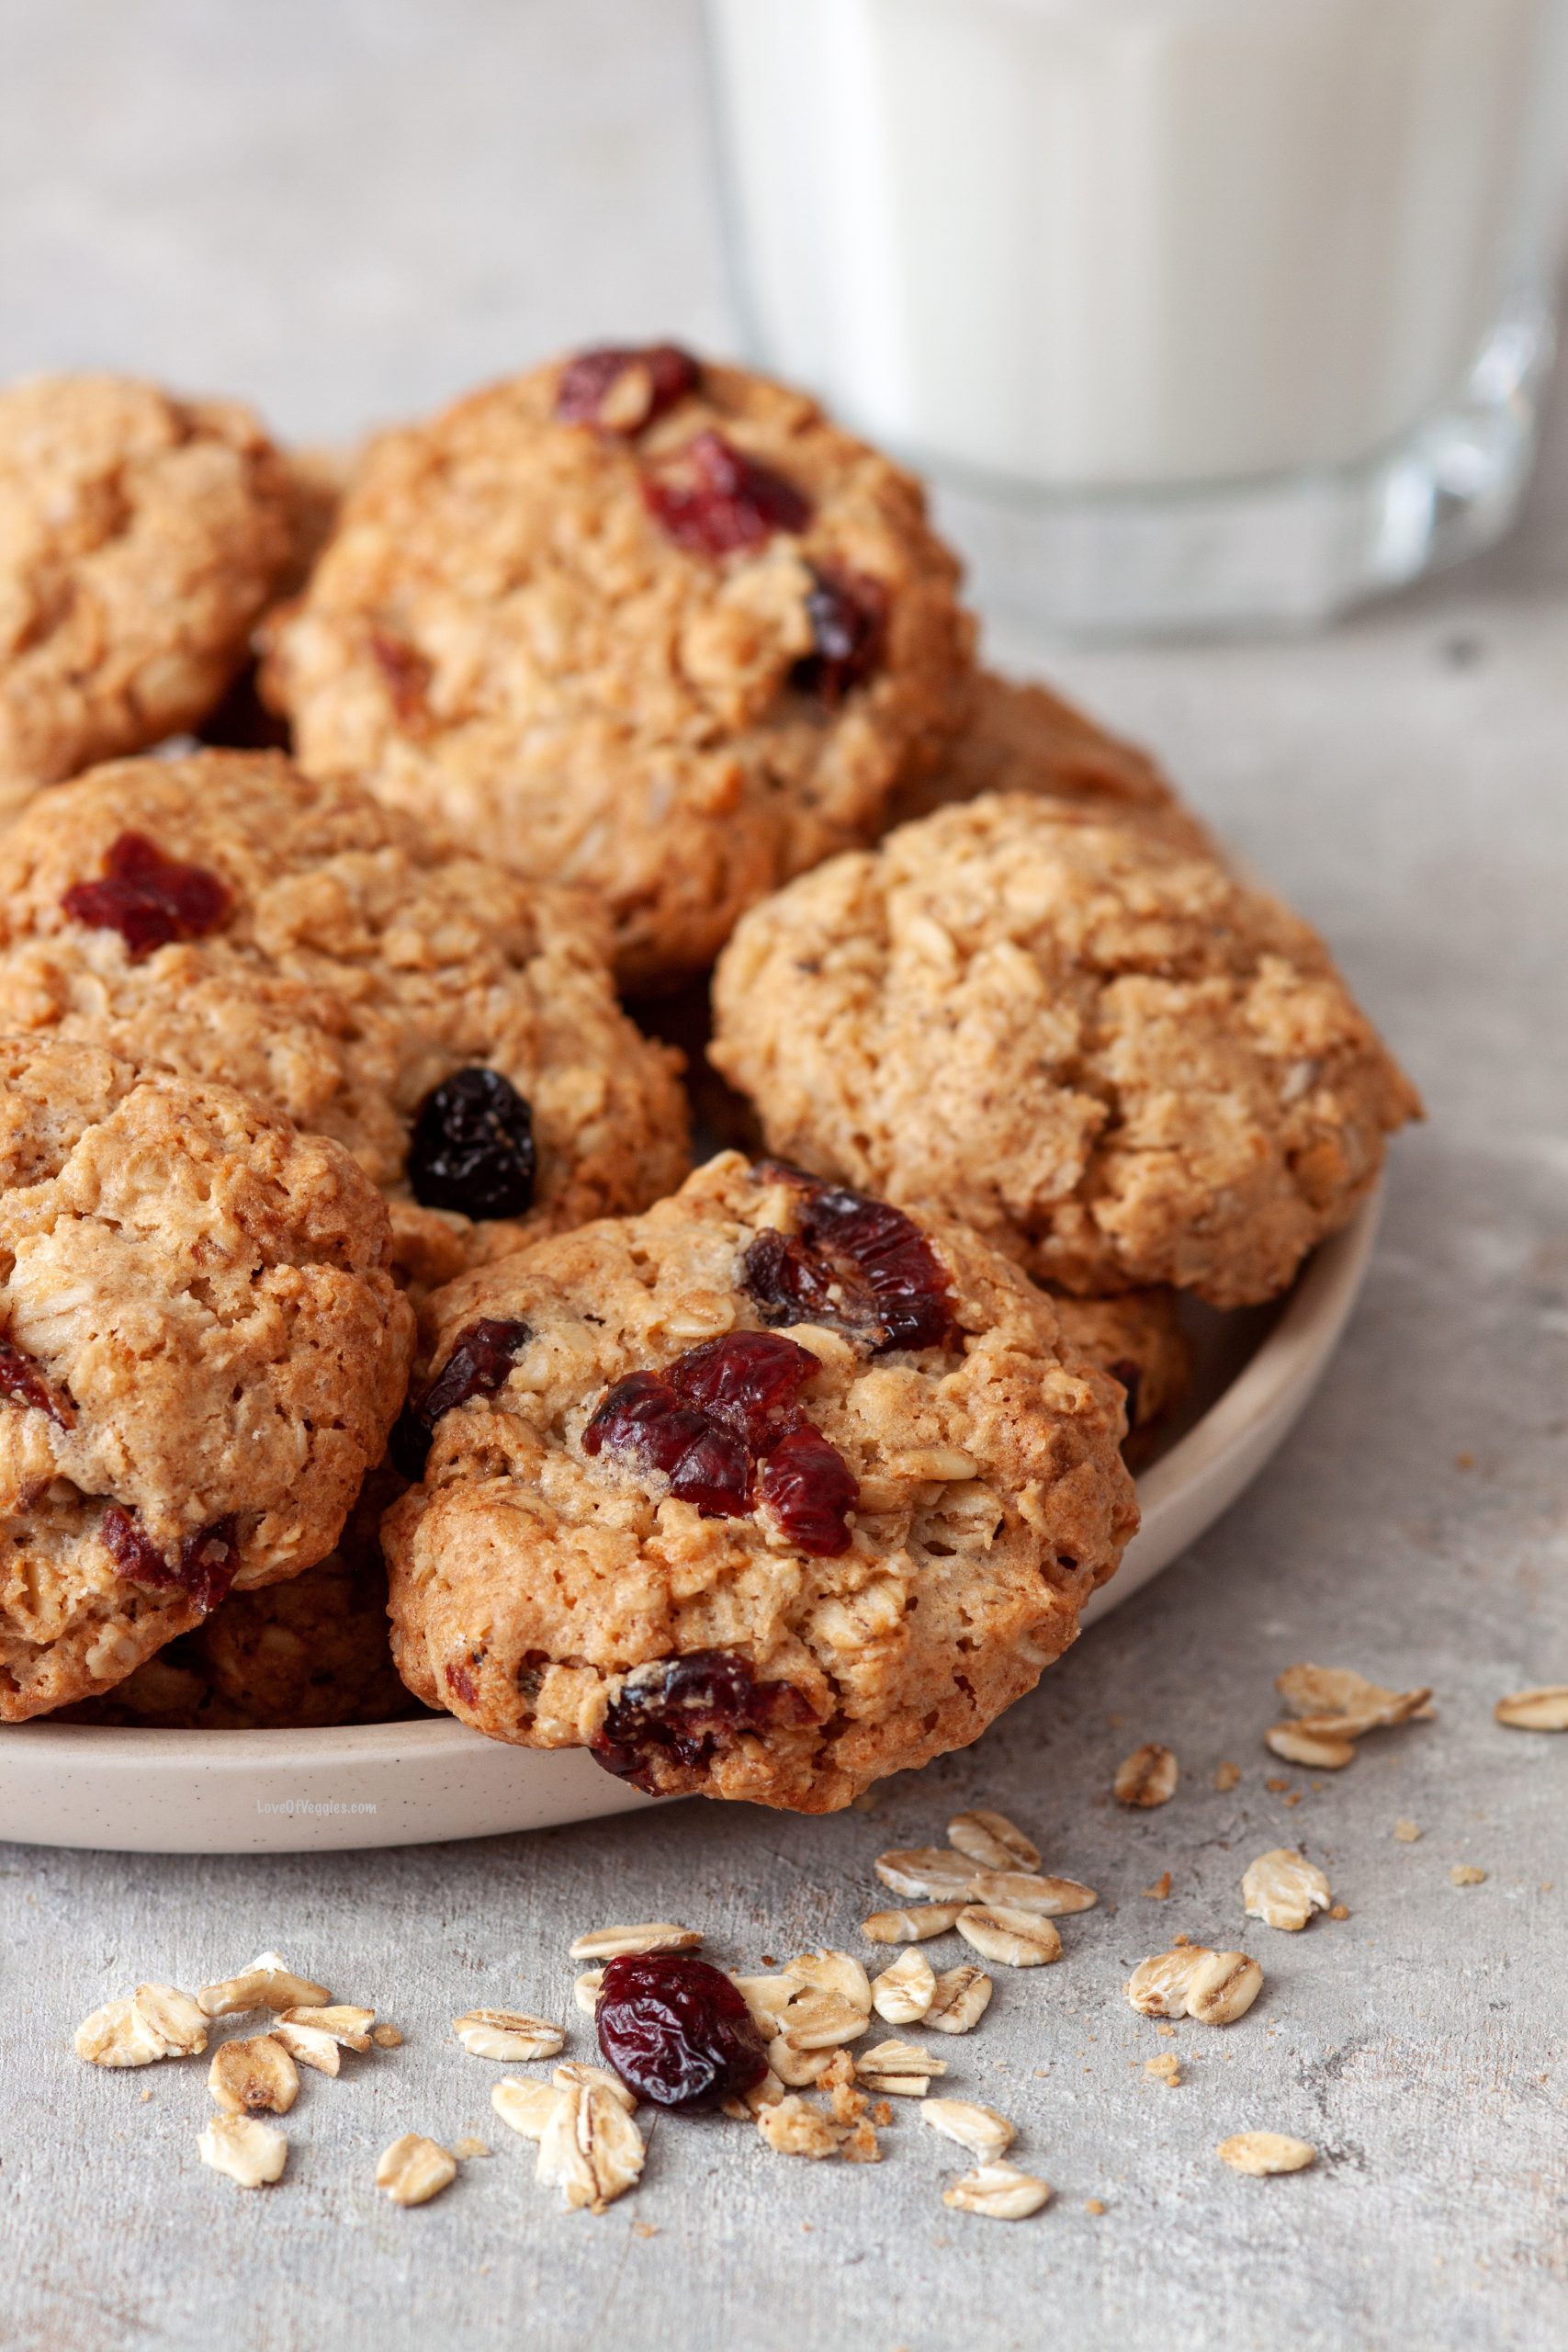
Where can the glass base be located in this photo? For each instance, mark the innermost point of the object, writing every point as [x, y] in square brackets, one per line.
[1283, 552]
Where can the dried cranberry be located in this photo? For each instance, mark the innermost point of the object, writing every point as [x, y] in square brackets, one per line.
[855, 1263]
[461, 1682]
[810, 1490]
[675, 2029]
[667, 375]
[683, 1706]
[848, 613]
[747, 1381]
[472, 1147]
[482, 1355]
[22, 1382]
[204, 1568]
[713, 499]
[149, 899]
[706, 1466]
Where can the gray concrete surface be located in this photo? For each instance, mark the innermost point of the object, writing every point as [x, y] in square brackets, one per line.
[348, 209]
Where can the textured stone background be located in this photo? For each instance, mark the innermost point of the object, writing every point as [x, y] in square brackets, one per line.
[348, 209]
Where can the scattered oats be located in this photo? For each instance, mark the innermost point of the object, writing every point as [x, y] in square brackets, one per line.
[999, 2191]
[1227, 1775]
[932, 1872]
[578, 2071]
[916, 1926]
[793, 2129]
[1283, 1889]
[1466, 1874]
[1147, 1776]
[993, 1841]
[797, 2069]
[820, 2021]
[836, 1972]
[355, 2028]
[585, 1992]
[1017, 1939]
[527, 2106]
[251, 2153]
[898, 2069]
[1160, 1890]
[156, 2021]
[904, 1992]
[1407, 1830]
[979, 2129]
[1216, 1987]
[254, 2072]
[470, 2151]
[962, 1997]
[1094, 2204]
[414, 2169]
[591, 2148]
[1053, 1898]
[308, 2045]
[1338, 1911]
[267, 1984]
[1295, 1744]
[652, 1935]
[767, 1997]
[386, 2037]
[509, 2034]
[750, 2105]
[1166, 2069]
[1543, 1710]
[1266, 2152]
[1335, 1699]
[145, 2094]
[173, 2017]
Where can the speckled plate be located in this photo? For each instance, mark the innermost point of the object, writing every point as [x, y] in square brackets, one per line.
[393, 1784]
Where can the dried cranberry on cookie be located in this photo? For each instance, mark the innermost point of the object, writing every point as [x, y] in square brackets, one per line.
[201, 1351]
[763, 1494]
[634, 621]
[452, 1025]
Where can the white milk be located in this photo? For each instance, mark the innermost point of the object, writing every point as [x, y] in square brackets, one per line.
[1111, 243]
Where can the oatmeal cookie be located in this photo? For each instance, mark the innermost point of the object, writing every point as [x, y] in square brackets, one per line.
[291, 1657]
[1021, 737]
[645, 624]
[452, 1025]
[1136, 1337]
[141, 537]
[1103, 1051]
[202, 1349]
[764, 1494]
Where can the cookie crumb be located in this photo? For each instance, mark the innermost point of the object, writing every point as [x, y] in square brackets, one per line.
[1160, 1889]
[1147, 1776]
[1166, 2069]
[1094, 2205]
[1338, 1911]
[386, 2037]
[1227, 1775]
[1466, 1874]
[1407, 1830]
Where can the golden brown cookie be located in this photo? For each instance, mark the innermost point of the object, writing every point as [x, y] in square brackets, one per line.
[764, 1494]
[651, 627]
[201, 1350]
[1103, 1052]
[1136, 1337]
[452, 1025]
[141, 537]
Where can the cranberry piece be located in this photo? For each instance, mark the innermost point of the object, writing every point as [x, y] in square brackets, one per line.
[848, 613]
[472, 1147]
[705, 1465]
[22, 1382]
[684, 1705]
[460, 1682]
[675, 2029]
[714, 500]
[149, 899]
[204, 1568]
[482, 1355]
[749, 1382]
[855, 1263]
[810, 1490]
[593, 389]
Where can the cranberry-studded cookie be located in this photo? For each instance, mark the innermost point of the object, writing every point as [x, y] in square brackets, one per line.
[288, 1658]
[454, 1026]
[1021, 737]
[635, 622]
[1138, 1338]
[764, 1494]
[1101, 1050]
[141, 537]
[201, 1350]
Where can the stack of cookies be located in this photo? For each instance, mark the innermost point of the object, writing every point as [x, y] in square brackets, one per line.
[348, 1271]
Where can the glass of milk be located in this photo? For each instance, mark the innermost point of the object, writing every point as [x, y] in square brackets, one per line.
[1198, 313]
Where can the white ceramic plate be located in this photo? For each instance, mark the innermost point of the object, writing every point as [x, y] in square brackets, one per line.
[394, 1784]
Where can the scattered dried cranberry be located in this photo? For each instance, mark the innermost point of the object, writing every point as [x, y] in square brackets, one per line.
[204, 1569]
[713, 499]
[706, 1464]
[592, 390]
[810, 1490]
[482, 1355]
[22, 1382]
[149, 899]
[847, 612]
[855, 1263]
[472, 1147]
[674, 2027]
